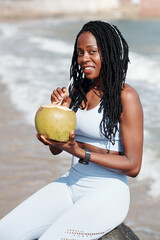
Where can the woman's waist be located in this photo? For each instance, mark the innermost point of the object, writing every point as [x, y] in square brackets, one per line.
[94, 171]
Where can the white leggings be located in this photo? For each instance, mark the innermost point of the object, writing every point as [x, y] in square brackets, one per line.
[71, 208]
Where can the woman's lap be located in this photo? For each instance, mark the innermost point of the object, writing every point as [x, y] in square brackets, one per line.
[91, 216]
[50, 213]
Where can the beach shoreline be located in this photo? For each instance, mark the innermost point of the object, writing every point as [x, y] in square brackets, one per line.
[27, 165]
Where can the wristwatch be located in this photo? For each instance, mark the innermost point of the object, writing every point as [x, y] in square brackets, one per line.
[86, 159]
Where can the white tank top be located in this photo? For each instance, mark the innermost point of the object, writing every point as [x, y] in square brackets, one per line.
[88, 130]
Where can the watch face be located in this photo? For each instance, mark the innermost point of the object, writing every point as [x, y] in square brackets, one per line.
[82, 161]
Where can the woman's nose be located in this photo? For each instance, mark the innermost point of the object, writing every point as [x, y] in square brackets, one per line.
[85, 57]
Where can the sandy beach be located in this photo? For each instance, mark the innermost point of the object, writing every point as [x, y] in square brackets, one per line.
[27, 165]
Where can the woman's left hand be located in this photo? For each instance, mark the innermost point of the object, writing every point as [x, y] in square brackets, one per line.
[71, 146]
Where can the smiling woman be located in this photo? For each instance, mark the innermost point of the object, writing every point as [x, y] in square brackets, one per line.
[106, 147]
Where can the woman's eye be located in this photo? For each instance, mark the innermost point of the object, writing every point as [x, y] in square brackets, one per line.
[80, 53]
[93, 51]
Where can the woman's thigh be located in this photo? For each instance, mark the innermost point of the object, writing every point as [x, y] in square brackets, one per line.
[32, 218]
[93, 215]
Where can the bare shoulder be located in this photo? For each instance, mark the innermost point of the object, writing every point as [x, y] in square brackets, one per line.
[129, 93]
[130, 100]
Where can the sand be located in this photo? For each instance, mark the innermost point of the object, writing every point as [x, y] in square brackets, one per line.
[27, 165]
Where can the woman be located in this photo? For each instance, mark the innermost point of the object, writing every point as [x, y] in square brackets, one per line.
[92, 198]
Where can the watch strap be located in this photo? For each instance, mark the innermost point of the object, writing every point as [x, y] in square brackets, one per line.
[86, 159]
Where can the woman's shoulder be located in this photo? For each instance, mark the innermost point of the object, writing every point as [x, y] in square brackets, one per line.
[130, 101]
[129, 94]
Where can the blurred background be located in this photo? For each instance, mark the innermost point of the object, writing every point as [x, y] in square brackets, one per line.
[36, 45]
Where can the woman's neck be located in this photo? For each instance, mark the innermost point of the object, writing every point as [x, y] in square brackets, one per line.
[97, 85]
[94, 96]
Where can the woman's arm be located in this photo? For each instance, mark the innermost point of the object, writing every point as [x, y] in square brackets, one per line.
[131, 123]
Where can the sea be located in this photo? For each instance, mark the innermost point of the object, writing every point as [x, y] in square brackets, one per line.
[35, 58]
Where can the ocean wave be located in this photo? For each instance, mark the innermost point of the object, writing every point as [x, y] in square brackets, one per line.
[52, 45]
[8, 30]
[144, 68]
[150, 170]
[20, 72]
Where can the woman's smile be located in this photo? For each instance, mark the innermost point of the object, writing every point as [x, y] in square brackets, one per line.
[87, 70]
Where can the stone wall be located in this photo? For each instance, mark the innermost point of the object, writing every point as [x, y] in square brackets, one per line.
[150, 8]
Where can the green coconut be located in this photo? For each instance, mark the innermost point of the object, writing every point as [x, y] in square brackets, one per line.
[55, 122]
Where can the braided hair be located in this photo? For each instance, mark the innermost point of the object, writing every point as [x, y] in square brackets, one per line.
[114, 52]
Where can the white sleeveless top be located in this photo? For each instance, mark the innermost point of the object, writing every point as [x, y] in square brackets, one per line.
[88, 130]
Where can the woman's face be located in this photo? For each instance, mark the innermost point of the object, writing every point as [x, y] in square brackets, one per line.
[89, 58]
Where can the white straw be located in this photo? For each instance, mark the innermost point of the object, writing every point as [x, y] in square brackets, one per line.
[65, 92]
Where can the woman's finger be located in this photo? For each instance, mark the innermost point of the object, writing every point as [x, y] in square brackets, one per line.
[72, 137]
[46, 141]
[58, 94]
[42, 139]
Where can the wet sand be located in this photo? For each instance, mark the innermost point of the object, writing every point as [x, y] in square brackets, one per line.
[27, 165]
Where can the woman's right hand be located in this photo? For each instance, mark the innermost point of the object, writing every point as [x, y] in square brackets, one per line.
[57, 95]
